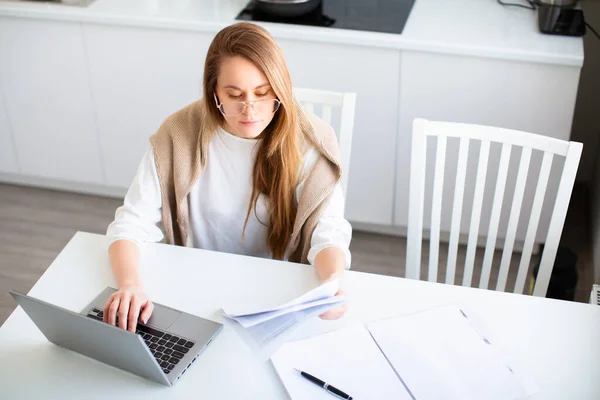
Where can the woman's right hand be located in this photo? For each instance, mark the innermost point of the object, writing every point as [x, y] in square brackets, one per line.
[129, 303]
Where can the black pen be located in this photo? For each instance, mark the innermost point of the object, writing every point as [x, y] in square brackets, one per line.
[331, 389]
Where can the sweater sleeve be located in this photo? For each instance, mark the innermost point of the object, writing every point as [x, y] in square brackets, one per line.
[332, 229]
[139, 218]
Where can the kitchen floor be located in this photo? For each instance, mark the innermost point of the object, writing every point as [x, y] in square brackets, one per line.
[35, 225]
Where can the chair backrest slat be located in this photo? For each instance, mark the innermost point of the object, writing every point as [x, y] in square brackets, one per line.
[482, 166]
[436, 208]
[326, 115]
[459, 190]
[416, 199]
[534, 219]
[490, 247]
[513, 219]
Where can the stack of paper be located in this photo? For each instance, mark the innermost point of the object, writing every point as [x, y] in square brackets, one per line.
[435, 354]
[263, 325]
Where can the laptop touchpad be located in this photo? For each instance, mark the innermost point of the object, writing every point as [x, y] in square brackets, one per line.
[163, 317]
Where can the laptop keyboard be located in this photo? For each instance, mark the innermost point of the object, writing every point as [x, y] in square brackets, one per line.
[167, 348]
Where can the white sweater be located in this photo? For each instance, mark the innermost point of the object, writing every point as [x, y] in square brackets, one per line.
[218, 204]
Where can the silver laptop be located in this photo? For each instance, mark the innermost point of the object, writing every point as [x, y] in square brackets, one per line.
[161, 350]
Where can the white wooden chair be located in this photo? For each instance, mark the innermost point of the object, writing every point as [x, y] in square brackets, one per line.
[327, 105]
[422, 129]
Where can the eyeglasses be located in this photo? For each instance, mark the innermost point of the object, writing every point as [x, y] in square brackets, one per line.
[233, 108]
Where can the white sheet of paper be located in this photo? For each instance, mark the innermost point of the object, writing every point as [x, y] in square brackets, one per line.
[323, 291]
[347, 359]
[439, 355]
[254, 319]
[264, 328]
[264, 339]
[270, 330]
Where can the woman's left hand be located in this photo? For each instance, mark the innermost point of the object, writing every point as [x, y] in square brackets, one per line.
[338, 312]
[330, 264]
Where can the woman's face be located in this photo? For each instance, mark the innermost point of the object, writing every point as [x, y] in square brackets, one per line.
[240, 80]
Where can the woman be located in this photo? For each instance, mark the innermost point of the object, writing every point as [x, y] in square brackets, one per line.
[243, 170]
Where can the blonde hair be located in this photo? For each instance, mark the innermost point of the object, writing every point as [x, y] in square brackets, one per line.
[278, 160]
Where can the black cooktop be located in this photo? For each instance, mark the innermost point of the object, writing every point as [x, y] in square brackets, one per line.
[388, 16]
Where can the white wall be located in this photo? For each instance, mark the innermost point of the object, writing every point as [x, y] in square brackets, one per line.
[586, 119]
[586, 122]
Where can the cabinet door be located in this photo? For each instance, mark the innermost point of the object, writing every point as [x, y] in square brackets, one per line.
[373, 75]
[44, 79]
[139, 77]
[536, 98]
[8, 158]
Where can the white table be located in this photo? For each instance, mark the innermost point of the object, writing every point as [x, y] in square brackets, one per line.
[557, 343]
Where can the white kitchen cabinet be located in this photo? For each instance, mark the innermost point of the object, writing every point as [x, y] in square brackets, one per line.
[138, 78]
[44, 80]
[372, 74]
[84, 88]
[8, 158]
[532, 97]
